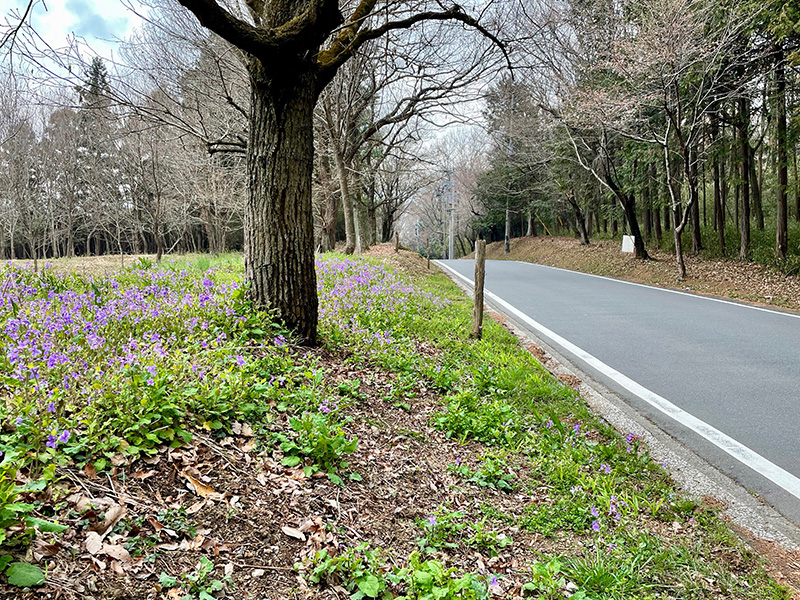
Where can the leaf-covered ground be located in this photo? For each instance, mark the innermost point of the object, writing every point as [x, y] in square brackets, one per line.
[209, 457]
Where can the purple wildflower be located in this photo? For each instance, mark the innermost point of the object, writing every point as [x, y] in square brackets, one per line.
[64, 436]
[595, 526]
[432, 521]
[595, 512]
[51, 441]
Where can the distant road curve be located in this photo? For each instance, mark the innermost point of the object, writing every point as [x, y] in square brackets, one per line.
[720, 376]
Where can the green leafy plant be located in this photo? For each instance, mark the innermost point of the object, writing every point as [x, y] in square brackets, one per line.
[357, 569]
[491, 473]
[199, 584]
[487, 540]
[431, 580]
[320, 440]
[441, 531]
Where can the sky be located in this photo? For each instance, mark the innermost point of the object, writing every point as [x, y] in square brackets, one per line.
[99, 22]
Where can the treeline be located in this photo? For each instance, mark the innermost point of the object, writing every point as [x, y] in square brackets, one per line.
[91, 179]
[673, 120]
[149, 157]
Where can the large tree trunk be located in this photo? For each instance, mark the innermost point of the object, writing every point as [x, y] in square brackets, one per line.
[781, 238]
[279, 233]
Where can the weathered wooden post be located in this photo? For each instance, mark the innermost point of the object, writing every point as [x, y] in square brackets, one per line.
[480, 272]
[396, 242]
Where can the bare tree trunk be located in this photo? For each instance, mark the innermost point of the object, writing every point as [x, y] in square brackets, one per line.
[755, 187]
[694, 198]
[781, 235]
[744, 120]
[279, 238]
[347, 202]
[796, 188]
[719, 209]
[675, 203]
[531, 231]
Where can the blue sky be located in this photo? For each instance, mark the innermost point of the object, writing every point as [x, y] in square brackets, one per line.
[97, 21]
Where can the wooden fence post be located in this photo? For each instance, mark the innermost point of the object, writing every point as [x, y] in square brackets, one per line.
[396, 242]
[480, 272]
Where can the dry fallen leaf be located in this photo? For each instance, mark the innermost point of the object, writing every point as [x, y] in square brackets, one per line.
[118, 552]
[294, 533]
[90, 471]
[113, 516]
[202, 489]
[169, 547]
[93, 543]
[195, 507]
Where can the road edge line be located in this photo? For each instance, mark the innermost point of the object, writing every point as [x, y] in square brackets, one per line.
[724, 442]
[776, 310]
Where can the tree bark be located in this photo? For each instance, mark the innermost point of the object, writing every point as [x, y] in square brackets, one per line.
[744, 141]
[531, 232]
[279, 238]
[719, 209]
[694, 199]
[755, 188]
[796, 189]
[347, 201]
[781, 236]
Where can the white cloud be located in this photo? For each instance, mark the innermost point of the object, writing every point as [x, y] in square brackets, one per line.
[99, 22]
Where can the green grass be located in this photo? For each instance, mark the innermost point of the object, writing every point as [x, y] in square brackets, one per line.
[609, 505]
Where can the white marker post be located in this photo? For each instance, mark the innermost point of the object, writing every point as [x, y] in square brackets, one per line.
[627, 244]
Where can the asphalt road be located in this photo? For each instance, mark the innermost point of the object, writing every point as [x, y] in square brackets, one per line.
[721, 377]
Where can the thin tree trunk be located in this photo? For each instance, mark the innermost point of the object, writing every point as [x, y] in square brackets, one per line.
[347, 202]
[719, 210]
[781, 236]
[796, 188]
[755, 188]
[694, 199]
[744, 120]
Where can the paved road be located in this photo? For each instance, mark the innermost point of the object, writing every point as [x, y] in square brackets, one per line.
[685, 361]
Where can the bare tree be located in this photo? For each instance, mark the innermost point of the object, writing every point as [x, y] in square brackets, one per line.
[294, 49]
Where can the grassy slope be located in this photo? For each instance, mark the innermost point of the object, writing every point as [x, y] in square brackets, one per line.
[475, 473]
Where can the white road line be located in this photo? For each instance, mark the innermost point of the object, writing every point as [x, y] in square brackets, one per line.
[773, 311]
[737, 450]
